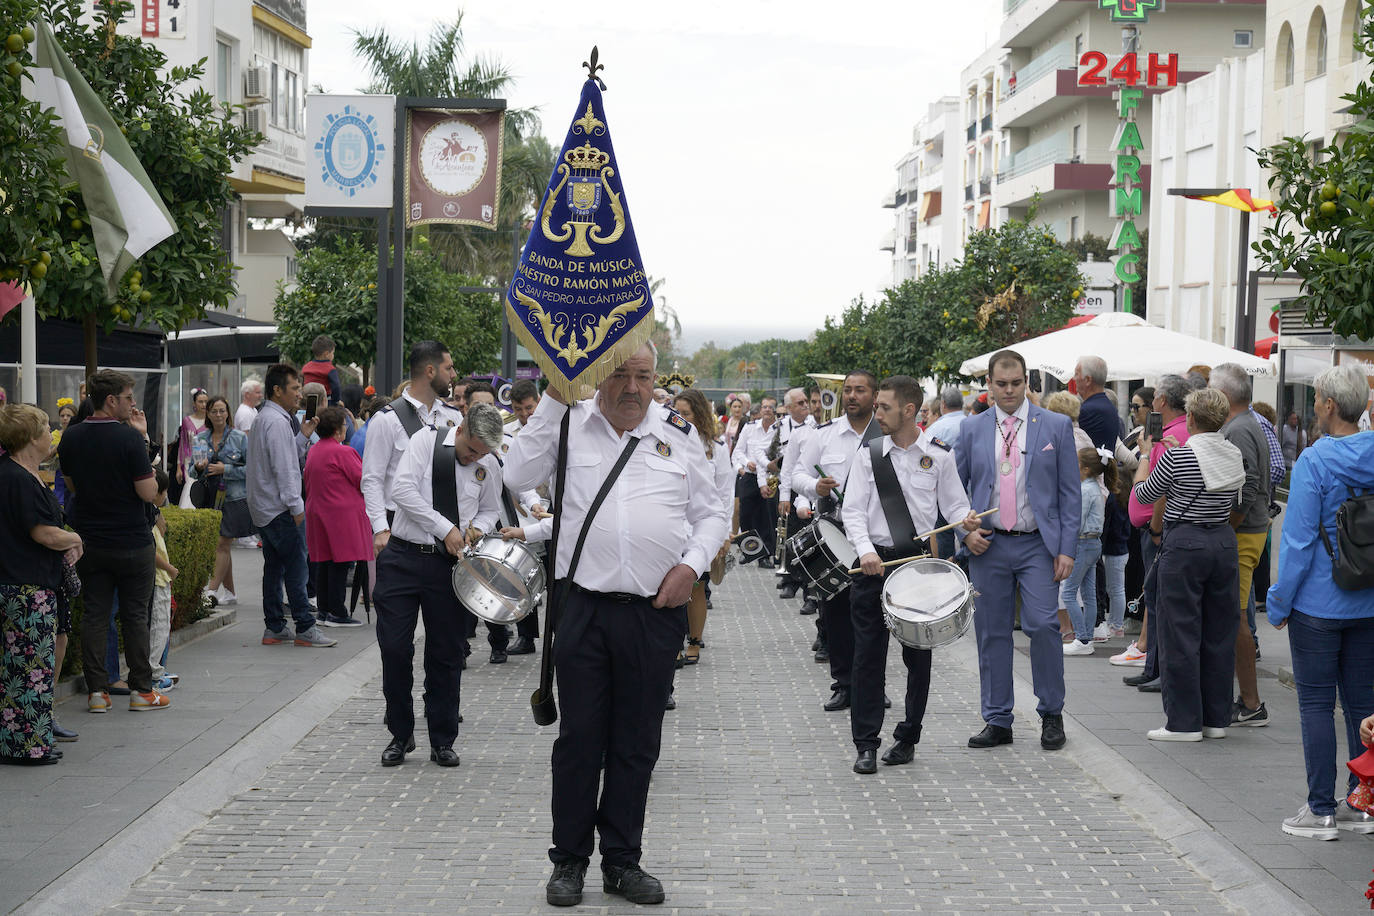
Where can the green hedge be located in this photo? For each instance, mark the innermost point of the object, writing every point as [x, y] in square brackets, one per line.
[192, 535]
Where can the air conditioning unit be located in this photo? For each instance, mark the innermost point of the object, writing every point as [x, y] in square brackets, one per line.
[255, 119]
[255, 83]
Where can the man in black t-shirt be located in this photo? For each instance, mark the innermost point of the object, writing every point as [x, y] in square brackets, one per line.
[105, 462]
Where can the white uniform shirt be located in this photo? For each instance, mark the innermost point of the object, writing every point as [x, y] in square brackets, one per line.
[386, 443]
[633, 541]
[1025, 518]
[793, 434]
[479, 492]
[525, 499]
[930, 483]
[745, 449]
[833, 446]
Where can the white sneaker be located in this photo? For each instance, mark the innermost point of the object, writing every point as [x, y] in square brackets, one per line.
[1102, 632]
[225, 596]
[1353, 819]
[1133, 657]
[1163, 734]
[1209, 731]
[1078, 647]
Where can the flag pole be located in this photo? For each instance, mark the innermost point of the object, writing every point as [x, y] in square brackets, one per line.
[28, 350]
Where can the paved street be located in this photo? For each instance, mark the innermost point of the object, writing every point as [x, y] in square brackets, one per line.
[754, 808]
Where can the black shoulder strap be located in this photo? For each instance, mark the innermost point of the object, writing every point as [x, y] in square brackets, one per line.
[872, 432]
[445, 479]
[596, 503]
[899, 523]
[408, 415]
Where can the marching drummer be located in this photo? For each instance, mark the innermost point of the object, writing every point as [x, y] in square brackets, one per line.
[896, 487]
[436, 517]
[824, 464]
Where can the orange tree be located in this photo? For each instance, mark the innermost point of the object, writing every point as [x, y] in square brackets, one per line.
[187, 143]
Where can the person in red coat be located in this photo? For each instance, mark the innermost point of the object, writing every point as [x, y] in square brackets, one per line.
[337, 532]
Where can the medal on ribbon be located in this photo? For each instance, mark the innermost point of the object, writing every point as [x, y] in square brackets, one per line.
[579, 299]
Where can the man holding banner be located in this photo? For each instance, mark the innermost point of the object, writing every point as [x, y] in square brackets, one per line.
[625, 469]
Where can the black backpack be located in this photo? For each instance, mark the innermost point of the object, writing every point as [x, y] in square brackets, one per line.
[1352, 568]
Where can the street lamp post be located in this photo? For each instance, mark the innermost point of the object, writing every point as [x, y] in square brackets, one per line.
[777, 373]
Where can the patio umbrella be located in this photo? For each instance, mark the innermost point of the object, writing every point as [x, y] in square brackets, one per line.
[1132, 347]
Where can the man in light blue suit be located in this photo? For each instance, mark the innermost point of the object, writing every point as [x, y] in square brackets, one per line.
[1020, 460]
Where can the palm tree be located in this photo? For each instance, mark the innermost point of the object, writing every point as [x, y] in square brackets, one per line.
[440, 70]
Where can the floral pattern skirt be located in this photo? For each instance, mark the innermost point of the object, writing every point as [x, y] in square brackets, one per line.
[28, 630]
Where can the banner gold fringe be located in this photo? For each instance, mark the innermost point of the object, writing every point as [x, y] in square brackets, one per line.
[596, 372]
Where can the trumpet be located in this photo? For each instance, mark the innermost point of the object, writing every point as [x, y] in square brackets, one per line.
[771, 485]
[782, 543]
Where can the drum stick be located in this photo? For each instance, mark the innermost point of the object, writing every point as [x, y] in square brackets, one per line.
[922, 537]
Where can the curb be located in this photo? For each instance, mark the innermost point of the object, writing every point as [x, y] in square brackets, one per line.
[104, 877]
[218, 619]
[1246, 887]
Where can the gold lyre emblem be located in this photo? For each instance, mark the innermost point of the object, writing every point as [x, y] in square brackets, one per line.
[96, 144]
[586, 172]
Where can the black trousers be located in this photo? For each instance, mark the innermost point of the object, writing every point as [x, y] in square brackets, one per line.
[794, 524]
[758, 513]
[528, 626]
[104, 573]
[839, 636]
[870, 670]
[331, 587]
[410, 584]
[1198, 594]
[615, 668]
[498, 637]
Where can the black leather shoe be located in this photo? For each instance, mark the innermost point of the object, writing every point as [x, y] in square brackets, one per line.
[838, 700]
[1052, 732]
[901, 752]
[809, 606]
[671, 704]
[789, 591]
[632, 883]
[991, 736]
[1151, 686]
[823, 654]
[816, 644]
[395, 753]
[866, 764]
[522, 646]
[1135, 680]
[887, 701]
[498, 657]
[444, 756]
[766, 563]
[565, 885]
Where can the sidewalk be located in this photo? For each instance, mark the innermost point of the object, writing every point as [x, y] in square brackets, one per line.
[125, 763]
[1243, 786]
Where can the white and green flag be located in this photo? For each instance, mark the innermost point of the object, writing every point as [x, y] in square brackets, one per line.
[126, 214]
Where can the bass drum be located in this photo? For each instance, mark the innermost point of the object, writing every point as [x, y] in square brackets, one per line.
[821, 555]
[927, 603]
[499, 581]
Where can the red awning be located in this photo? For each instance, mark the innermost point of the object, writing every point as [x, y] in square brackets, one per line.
[1265, 348]
[983, 214]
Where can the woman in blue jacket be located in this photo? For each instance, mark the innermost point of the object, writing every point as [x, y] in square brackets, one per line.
[222, 460]
[1330, 630]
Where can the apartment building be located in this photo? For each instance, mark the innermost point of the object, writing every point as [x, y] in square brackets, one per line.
[984, 85]
[1057, 135]
[927, 223]
[256, 53]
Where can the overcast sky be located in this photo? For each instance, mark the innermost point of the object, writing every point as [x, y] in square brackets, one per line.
[755, 138]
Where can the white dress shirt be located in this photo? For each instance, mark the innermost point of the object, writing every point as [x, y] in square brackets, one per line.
[1025, 518]
[791, 430]
[244, 417]
[791, 457]
[386, 443]
[752, 443]
[928, 487]
[832, 446]
[634, 539]
[479, 492]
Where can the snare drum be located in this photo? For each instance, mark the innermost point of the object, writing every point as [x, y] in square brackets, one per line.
[927, 603]
[822, 556]
[500, 581]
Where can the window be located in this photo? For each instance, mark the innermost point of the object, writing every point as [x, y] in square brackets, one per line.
[1321, 48]
[1077, 46]
[1243, 38]
[1288, 61]
[224, 68]
[1076, 149]
[285, 62]
[1073, 228]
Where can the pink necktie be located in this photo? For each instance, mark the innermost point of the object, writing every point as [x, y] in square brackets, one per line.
[1006, 483]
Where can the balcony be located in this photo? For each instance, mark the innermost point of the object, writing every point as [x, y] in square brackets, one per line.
[900, 198]
[912, 244]
[888, 241]
[890, 198]
[985, 125]
[973, 130]
[968, 192]
[1053, 168]
[985, 186]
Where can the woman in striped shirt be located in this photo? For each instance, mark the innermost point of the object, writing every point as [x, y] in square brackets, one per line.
[1197, 571]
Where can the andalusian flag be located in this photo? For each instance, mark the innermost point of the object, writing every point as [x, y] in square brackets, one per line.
[1238, 198]
[127, 216]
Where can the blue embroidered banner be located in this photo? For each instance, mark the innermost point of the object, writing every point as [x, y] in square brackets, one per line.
[579, 299]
